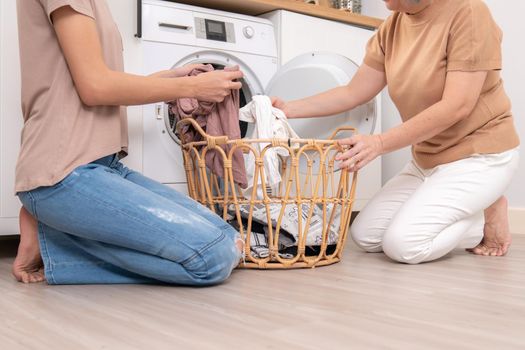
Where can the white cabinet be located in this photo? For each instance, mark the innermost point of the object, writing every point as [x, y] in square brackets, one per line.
[10, 116]
[298, 34]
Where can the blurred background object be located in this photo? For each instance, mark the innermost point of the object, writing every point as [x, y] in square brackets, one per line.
[327, 3]
[353, 6]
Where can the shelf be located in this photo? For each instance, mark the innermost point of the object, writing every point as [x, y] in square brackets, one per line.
[258, 7]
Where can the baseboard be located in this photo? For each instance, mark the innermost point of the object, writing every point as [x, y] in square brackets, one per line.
[517, 220]
[8, 226]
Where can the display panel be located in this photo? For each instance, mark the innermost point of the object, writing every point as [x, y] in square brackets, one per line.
[216, 30]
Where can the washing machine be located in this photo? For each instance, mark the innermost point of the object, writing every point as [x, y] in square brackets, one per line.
[174, 35]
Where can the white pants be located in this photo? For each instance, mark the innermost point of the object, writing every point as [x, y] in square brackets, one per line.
[422, 214]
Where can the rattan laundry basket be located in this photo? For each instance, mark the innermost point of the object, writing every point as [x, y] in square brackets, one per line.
[311, 184]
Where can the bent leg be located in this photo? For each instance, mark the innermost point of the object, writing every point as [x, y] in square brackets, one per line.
[134, 229]
[179, 198]
[370, 225]
[446, 211]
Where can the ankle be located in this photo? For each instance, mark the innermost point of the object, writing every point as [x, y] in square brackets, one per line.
[497, 210]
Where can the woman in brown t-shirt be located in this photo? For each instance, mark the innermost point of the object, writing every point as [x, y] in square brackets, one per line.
[441, 60]
[98, 221]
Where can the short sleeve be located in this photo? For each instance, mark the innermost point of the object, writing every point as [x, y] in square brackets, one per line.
[375, 52]
[474, 41]
[81, 6]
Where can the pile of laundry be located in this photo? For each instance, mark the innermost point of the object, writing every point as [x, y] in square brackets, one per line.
[290, 231]
[220, 119]
[217, 119]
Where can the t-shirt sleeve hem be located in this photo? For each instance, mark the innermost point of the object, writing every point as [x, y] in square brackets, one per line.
[374, 63]
[82, 9]
[469, 66]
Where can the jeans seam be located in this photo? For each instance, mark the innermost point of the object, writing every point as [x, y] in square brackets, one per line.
[44, 249]
[32, 200]
[201, 251]
[72, 263]
[108, 205]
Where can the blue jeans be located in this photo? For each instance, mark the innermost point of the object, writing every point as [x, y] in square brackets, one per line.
[105, 223]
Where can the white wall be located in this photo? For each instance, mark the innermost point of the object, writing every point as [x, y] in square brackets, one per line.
[508, 14]
[374, 8]
[10, 116]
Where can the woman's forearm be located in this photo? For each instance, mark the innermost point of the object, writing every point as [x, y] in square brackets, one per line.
[364, 86]
[327, 103]
[421, 127]
[117, 88]
[111, 88]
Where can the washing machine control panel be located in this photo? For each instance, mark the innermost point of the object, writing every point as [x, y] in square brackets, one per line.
[214, 30]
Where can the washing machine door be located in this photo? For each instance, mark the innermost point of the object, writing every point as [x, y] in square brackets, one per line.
[162, 157]
[251, 85]
[316, 72]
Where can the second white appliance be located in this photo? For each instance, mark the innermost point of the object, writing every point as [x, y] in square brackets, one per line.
[329, 54]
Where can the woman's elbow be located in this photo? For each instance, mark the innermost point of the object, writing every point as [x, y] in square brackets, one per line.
[90, 94]
[463, 111]
[94, 91]
[457, 109]
[90, 99]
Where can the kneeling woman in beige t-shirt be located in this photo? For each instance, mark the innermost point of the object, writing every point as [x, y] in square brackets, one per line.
[442, 61]
[98, 221]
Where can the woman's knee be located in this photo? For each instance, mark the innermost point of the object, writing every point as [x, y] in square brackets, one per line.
[215, 263]
[402, 247]
[365, 237]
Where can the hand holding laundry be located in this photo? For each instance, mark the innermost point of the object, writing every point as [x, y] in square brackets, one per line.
[270, 123]
[215, 85]
[177, 72]
[217, 119]
[280, 104]
[363, 150]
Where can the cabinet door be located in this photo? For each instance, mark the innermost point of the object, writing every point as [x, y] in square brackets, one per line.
[10, 110]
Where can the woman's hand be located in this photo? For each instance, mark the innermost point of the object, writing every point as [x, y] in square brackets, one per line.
[363, 150]
[280, 104]
[216, 85]
[177, 72]
[212, 86]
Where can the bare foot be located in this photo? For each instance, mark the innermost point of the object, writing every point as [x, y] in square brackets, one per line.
[240, 245]
[27, 267]
[496, 233]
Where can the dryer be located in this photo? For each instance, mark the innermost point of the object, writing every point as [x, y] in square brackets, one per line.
[175, 35]
[343, 48]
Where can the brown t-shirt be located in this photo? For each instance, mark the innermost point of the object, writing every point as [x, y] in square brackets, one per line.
[416, 52]
[61, 133]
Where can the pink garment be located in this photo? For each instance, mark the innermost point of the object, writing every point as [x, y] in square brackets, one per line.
[217, 119]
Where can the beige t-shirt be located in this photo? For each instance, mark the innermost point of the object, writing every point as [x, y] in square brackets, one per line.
[416, 52]
[61, 133]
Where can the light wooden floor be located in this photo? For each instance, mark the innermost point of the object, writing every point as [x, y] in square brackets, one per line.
[365, 302]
